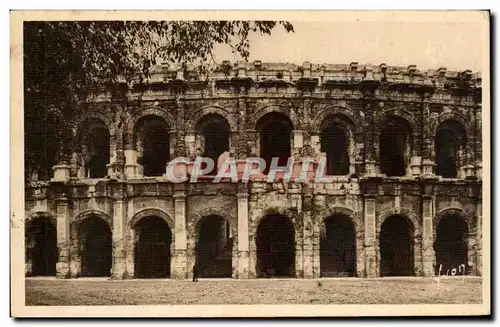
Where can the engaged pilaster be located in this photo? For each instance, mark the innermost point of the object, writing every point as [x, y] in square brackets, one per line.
[63, 238]
[479, 239]
[179, 268]
[243, 243]
[119, 270]
[132, 168]
[428, 164]
[308, 231]
[428, 254]
[370, 226]
[297, 142]
[370, 235]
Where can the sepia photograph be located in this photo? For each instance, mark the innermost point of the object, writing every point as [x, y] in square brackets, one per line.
[250, 164]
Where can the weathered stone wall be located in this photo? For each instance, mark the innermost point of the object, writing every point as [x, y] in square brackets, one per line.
[306, 215]
[365, 96]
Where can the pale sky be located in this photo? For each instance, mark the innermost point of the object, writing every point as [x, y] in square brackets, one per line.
[429, 45]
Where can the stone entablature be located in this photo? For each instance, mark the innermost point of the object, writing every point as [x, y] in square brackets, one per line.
[258, 74]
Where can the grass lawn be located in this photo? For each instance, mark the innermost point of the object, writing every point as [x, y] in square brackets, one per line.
[258, 291]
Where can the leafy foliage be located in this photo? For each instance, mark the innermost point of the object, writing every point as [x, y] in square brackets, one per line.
[64, 60]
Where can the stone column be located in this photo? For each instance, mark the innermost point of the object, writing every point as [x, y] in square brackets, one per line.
[299, 254]
[299, 221]
[63, 238]
[371, 167]
[319, 224]
[233, 143]
[415, 166]
[172, 139]
[252, 228]
[243, 263]
[359, 164]
[116, 168]
[115, 143]
[428, 155]
[428, 255]
[371, 263]
[253, 142]
[319, 202]
[469, 164]
[305, 111]
[315, 144]
[62, 170]
[119, 270]
[132, 168]
[180, 147]
[130, 241]
[297, 142]
[308, 234]
[352, 153]
[179, 268]
[241, 146]
[190, 139]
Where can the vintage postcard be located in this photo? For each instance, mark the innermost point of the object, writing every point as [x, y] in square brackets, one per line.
[250, 164]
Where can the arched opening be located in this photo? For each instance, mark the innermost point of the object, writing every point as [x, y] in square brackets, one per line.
[41, 249]
[153, 145]
[450, 143]
[450, 245]
[214, 247]
[153, 238]
[213, 132]
[96, 247]
[275, 130]
[396, 247]
[41, 148]
[338, 247]
[335, 143]
[95, 147]
[275, 247]
[395, 146]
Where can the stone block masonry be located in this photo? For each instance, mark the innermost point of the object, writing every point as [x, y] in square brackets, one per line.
[403, 154]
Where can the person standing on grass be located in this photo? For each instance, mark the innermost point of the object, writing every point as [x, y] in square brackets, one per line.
[195, 272]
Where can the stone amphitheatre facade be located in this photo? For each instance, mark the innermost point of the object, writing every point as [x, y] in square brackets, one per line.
[403, 149]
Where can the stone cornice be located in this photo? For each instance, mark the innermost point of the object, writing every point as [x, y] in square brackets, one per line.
[304, 78]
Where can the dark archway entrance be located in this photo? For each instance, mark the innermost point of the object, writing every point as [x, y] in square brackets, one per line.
[450, 245]
[153, 145]
[215, 132]
[395, 145]
[335, 143]
[152, 248]
[41, 250]
[214, 248]
[338, 247]
[99, 153]
[450, 139]
[275, 131]
[42, 135]
[97, 247]
[396, 247]
[275, 247]
[95, 147]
